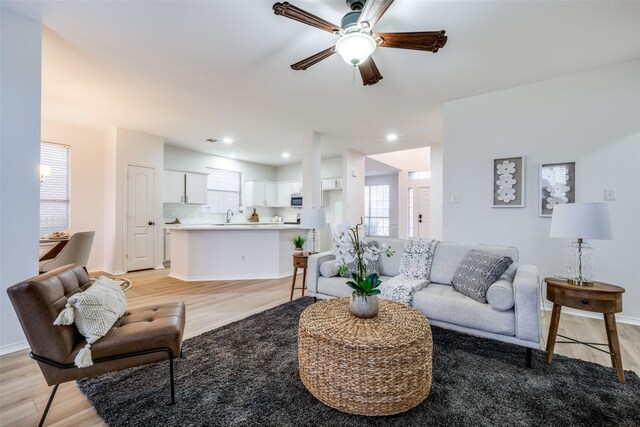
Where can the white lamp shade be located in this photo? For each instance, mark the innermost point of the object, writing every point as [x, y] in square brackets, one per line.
[581, 220]
[313, 218]
[355, 47]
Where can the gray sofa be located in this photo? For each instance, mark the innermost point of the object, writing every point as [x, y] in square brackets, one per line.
[512, 314]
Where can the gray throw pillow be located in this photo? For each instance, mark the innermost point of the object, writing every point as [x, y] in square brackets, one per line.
[328, 269]
[477, 271]
[372, 267]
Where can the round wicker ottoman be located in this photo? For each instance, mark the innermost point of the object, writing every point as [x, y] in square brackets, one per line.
[378, 366]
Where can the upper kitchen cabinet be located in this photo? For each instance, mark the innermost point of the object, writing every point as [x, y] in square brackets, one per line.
[260, 193]
[173, 187]
[332, 184]
[284, 194]
[185, 187]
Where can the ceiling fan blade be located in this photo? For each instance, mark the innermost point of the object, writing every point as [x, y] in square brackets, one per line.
[373, 11]
[369, 72]
[426, 40]
[312, 60]
[292, 12]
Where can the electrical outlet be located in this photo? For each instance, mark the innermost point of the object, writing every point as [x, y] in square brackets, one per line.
[609, 194]
[243, 257]
[456, 198]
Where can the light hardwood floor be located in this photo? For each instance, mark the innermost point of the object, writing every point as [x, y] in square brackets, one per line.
[24, 393]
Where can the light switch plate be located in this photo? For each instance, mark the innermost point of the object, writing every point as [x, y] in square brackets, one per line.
[609, 194]
[456, 198]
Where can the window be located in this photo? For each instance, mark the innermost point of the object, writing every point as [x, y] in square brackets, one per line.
[54, 190]
[223, 190]
[376, 210]
[410, 197]
[420, 175]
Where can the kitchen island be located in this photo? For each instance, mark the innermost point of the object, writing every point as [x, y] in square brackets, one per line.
[232, 251]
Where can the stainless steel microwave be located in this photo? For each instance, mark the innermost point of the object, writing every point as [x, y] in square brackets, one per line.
[296, 200]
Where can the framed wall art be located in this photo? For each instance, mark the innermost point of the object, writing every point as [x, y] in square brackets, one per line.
[508, 182]
[557, 186]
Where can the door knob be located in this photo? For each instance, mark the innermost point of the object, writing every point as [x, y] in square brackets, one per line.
[151, 223]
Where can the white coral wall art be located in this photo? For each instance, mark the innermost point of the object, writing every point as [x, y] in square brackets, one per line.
[557, 186]
[508, 188]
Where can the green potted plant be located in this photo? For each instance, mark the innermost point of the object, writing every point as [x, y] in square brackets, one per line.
[351, 250]
[298, 242]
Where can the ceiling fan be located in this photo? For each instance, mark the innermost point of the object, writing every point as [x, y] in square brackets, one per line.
[357, 41]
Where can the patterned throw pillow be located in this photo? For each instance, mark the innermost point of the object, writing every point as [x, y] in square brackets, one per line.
[372, 267]
[417, 257]
[477, 271]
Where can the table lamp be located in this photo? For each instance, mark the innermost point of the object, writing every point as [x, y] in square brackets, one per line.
[313, 219]
[581, 221]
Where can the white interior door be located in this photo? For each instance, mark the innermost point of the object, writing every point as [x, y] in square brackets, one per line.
[140, 218]
[421, 217]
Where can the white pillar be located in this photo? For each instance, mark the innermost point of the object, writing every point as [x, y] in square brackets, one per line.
[352, 186]
[311, 163]
[21, 53]
[437, 200]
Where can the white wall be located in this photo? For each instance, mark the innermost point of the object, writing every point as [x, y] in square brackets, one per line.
[407, 161]
[87, 181]
[180, 159]
[592, 118]
[437, 202]
[329, 168]
[392, 181]
[124, 148]
[352, 186]
[20, 50]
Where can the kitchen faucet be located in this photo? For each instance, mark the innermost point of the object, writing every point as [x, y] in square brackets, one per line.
[228, 217]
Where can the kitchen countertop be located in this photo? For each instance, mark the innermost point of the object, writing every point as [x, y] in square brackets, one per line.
[233, 226]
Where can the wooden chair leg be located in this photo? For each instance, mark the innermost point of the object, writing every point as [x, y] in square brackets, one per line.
[46, 409]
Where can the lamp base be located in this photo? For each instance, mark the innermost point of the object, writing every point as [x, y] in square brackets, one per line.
[581, 282]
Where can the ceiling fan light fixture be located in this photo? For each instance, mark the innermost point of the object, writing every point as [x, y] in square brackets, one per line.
[355, 47]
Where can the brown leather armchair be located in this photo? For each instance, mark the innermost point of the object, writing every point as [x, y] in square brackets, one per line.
[141, 336]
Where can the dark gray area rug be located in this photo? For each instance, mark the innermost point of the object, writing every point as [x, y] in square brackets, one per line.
[245, 374]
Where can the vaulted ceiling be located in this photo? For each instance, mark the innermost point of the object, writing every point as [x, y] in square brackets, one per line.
[192, 70]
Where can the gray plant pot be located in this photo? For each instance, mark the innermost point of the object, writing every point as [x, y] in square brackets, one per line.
[364, 307]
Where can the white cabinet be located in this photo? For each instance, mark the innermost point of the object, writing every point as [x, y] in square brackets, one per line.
[284, 194]
[332, 184]
[167, 245]
[173, 187]
[184, 187]
[195, 188]
[260, 193]
[296, 187]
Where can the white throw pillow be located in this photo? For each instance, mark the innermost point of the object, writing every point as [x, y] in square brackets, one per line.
[94, 312]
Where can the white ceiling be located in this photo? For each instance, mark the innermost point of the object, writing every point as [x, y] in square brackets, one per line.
[193, 70]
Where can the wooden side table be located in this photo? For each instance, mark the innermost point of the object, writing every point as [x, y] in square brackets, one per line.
[299, 261]
[600, 298]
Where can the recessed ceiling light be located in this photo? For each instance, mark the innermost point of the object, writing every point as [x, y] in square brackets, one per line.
[285, 155]
[227, 140]
[391, 137]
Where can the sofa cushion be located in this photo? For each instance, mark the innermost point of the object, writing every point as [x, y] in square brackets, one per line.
[329, 268]
[477, 271]
[500, 295]
[443, 303]
[390, 266]
[449, 255]
[337, 286]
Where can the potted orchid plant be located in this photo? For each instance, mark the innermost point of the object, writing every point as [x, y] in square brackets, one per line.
[352, 251]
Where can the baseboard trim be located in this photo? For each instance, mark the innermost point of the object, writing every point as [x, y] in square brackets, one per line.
[12, 348]
[213, 278]
[619, 318]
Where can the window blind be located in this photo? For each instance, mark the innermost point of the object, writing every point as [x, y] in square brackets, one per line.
[376, 210]
[54, 191]
[223, 190]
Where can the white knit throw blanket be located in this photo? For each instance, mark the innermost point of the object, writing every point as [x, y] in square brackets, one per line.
[415, 269]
